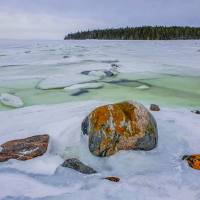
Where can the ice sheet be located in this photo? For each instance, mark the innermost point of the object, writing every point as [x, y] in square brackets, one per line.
[152, 175]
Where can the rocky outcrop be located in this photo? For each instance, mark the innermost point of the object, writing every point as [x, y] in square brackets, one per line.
[120, 126]
[24, 149]
[77, 165]
[193, 160]
[154, 107]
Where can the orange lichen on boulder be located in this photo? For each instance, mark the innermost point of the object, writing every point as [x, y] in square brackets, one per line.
[121, 126]
[193, 160]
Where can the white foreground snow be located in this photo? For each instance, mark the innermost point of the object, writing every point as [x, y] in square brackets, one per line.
[157, 174]
[11, 100]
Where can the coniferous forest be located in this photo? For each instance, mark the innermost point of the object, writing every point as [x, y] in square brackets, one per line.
[139, 33]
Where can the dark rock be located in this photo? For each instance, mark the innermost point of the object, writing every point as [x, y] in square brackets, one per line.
[109, 73]
[65, 57]
[196, 112]
[115, 65]
[112, 178]
[77, 165]
[24, 149]
[154, 107]
[106, 73]
[120, 126]
[27, 52]
[85, 72]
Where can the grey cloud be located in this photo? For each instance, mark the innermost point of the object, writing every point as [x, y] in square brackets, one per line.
[57, 17]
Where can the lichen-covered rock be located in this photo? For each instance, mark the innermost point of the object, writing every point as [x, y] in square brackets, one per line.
[77, 165]
[193, 161]
[120, 126]
[24, 149]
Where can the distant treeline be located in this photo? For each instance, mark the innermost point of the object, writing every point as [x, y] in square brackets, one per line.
[139, 33]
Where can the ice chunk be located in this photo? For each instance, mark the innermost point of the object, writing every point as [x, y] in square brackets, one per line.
[77, 92]
[61, 81]
[84, 86]
[97, 73]
[143, 87]
[11, 100]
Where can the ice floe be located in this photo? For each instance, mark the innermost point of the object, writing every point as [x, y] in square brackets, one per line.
[11, 100]
[84, 86]
[54, 82]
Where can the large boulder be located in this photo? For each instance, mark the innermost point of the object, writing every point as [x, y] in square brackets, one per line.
[24, 149]
[120, 126]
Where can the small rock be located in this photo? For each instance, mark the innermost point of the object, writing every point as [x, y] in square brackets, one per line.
[109, 73]
[102, 73]
[85, 72]
[112, 178]
[193, 160]
[196, 112]
[77, 165]
[11, 100]
[27, 52]
[24, 149]
[115, 65]
[65, 57]
[154, 107]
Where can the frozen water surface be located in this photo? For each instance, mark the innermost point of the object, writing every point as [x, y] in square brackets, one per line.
[170, 72]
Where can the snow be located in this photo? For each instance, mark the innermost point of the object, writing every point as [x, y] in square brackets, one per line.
[11, 100]
[23, 185]
[162, 72]
[159, 173]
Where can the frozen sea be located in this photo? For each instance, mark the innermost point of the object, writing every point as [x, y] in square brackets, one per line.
[46, 75]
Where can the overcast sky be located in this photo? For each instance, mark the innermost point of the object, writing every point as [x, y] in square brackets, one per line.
[52, 19]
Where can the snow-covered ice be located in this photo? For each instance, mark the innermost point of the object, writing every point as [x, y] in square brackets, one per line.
[148, 175]
[11, 100]
[54, 82]
[162, 72]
